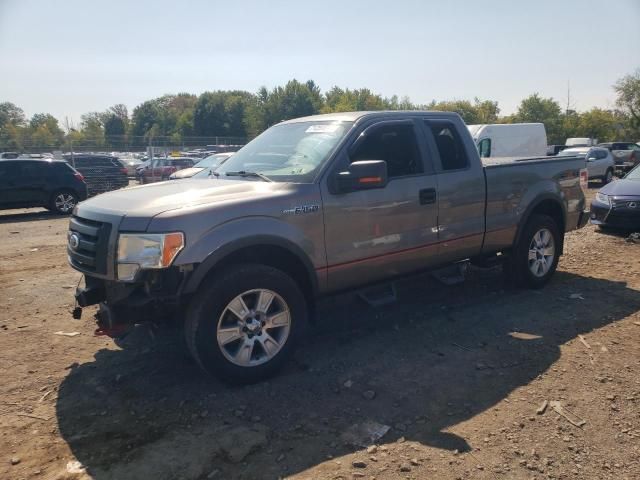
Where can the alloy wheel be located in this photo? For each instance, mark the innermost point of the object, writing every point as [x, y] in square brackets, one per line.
[253, 327]
[541, 252]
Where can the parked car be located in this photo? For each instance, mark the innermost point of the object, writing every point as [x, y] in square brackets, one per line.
[625, 154]
[102, 173]
[581, 142]
[9, 155]
[205, 165]
[510, 139]
[131, 164]
[600, 163]
[617, 205]
[555, 149]
[160, 169]
[52, 184]
[311, 207]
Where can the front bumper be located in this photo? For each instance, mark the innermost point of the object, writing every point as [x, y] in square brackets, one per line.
[620, 214]
[156, 296]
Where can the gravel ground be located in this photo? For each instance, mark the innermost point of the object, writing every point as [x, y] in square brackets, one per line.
[460, 375]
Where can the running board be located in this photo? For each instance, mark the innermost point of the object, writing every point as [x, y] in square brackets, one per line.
[453, 274]
[379, 295]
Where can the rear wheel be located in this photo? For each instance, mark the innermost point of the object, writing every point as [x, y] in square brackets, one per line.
[63, 202]
[534, 258]
[243, 325]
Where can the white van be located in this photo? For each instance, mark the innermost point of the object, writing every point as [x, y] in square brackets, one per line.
[510, 139]
[581, 142]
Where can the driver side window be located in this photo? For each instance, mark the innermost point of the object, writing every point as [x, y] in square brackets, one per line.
[396, 144]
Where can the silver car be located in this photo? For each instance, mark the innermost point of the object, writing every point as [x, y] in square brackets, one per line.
[600, 162]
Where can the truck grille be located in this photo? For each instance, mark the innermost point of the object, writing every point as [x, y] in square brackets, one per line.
[88, 249]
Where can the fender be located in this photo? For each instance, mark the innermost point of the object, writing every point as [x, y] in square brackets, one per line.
[203, 269]
[533, 205]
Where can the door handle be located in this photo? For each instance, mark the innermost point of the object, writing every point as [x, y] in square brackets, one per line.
[427, 196]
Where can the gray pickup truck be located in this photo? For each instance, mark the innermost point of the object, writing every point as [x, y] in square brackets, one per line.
[311, 207]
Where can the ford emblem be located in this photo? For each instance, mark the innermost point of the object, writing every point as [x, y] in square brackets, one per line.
[74, 241]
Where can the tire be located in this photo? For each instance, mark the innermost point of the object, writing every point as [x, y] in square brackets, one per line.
[63, 202]
[608, 177]
[240, 348]
[534, 258]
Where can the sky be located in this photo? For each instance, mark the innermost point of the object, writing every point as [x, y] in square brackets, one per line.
[70, 57]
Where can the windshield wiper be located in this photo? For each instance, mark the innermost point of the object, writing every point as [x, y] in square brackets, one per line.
[243, 173]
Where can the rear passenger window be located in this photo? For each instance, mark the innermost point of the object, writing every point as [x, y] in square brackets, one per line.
[450, 148]
[484, 148]
[395, 144]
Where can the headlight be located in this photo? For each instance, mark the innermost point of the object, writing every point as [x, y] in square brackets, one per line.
[602, 198]
[146, 250]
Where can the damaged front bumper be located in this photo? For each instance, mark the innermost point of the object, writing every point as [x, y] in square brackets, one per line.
[157, 297]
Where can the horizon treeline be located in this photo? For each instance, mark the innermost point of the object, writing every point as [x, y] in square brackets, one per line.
[236, 114]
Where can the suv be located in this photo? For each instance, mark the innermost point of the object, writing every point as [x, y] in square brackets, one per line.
[52, 184]
[102, 173]
[161, 169]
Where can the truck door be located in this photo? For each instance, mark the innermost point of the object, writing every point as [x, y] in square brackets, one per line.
[461, 190]
[378, 233]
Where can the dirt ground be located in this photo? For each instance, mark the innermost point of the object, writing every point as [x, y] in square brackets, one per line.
[458, 373]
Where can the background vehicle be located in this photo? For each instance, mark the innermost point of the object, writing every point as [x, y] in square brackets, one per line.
[102, 173]
[581, 142]
[625, 154]
[617, 205]
[131, 163]
[160, 169]
[510, 140]
[206, 164]
[9, 155]
[311, 207]
[555, 149]
[52, 184]
[600, 163]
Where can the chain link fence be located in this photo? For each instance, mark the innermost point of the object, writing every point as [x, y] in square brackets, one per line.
[115, 161]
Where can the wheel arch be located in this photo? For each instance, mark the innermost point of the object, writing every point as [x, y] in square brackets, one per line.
[263, 249]
[549, 205]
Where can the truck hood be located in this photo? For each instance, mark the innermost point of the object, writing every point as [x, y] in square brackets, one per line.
[186, 173]
[146, 201]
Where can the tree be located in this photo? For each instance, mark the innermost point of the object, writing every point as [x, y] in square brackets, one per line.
[293, 100]
[115, 130]
[11, 137]
[598, 123]
[45, 130]
[11, 113]
[628, 91]
[92, 129]
[535, 109]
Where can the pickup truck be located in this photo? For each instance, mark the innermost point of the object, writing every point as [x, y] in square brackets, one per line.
[311, 207]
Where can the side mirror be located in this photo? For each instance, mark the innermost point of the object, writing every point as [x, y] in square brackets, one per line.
[591, 159]
[361, 175]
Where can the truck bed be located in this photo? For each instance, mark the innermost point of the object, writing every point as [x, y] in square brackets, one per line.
[513, 182]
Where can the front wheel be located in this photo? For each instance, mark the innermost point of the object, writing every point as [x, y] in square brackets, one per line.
[244, 324]
[63, 202]
[608, 177]
[534, 258]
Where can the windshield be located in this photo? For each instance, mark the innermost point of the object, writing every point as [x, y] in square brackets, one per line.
[290, 152]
